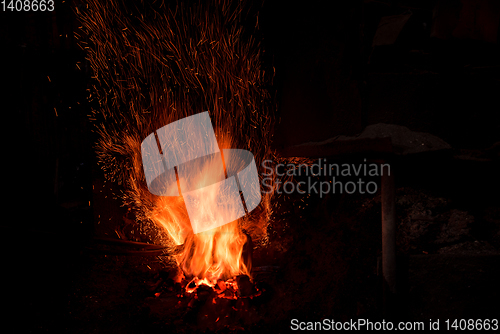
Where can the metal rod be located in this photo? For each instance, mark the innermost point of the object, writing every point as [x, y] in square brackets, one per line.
[126, 252]
[129, 243]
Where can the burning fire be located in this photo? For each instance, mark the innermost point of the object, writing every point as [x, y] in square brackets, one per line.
[152, 65]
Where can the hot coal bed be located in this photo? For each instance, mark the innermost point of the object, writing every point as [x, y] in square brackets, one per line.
[375, 132]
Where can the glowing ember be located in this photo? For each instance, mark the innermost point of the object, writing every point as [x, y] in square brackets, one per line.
[154, 65]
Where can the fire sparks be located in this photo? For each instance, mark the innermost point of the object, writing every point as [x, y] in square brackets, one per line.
[154, 64]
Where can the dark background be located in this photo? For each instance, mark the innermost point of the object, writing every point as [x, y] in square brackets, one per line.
[438, 73]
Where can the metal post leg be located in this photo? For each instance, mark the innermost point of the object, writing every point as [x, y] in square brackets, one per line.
[388, 239]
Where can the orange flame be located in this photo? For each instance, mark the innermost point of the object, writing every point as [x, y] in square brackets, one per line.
[154, 65]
